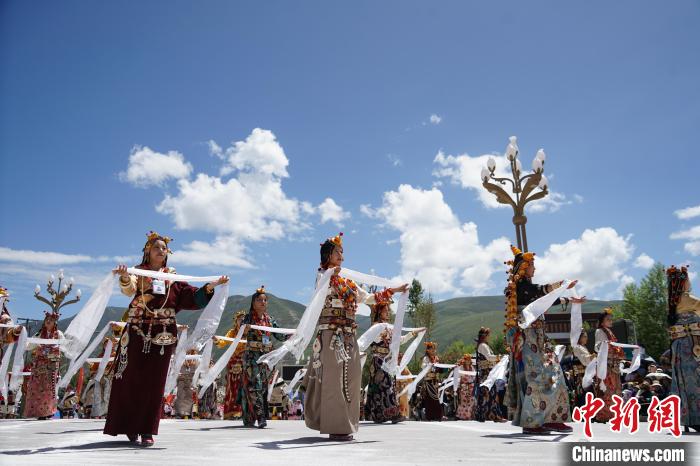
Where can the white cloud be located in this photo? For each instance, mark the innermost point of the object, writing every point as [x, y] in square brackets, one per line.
[465, 171]
[332, 212]
[224, 251]
[444, 254]
[693, 234]
[260, 153]
[150, 168]
[644, 261]
[435, 119]
[598, 259]
[245, 203]
[688, 212]
[41, 257]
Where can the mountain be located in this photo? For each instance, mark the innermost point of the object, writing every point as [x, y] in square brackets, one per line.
[457, 318]
[461, 318]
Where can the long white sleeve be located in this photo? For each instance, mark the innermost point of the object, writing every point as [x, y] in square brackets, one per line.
[600, 337]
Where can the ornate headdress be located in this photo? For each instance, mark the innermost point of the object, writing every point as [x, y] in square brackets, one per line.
[260, 290]
[152, 237]
[466, 358]
[676, 278]
[328, 246]
[381, 299]
[52, 314]
[518, 266]
[4, 293]
[336, 240]
[430, 345]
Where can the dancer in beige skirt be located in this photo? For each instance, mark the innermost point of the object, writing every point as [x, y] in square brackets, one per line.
[333, 376]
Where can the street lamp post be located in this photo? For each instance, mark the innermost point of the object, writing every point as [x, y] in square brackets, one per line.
[523, 187]
[59, 294]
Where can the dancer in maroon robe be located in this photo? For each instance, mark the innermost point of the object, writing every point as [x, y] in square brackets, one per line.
[148, 341]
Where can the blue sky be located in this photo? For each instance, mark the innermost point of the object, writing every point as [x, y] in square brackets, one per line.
[344, 93]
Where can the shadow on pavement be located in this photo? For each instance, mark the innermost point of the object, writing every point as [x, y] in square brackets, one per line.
[305, 442]
[517, 437]
[224, 427]
[113, 446]
[70, 431]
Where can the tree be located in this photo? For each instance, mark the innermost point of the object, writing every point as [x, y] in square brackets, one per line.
[425, 315]
[498, 344]
[455, 351]
[415, 297]
[645, 305]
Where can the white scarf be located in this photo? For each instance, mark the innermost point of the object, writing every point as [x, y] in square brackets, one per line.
[307, 325]
[538, 307]
[498, 372]
[373, 334]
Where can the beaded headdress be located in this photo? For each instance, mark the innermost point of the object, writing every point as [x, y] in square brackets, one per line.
[152, 237]
[337, 240]
[52, 314]
[518, 266]
[466, 358]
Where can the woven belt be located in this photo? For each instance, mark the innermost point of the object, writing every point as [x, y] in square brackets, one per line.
[380, 350]
[430, 376]
[334, 312]
[485, 364]
[682, 331]
[346, 329]
[165, 313]
[139, 321]
[258, 346]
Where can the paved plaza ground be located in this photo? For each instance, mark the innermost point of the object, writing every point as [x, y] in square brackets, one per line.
[188, 442]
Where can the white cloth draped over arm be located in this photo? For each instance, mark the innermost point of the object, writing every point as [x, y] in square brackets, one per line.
[636, 357]
[410, 351]
[104, 360]
[600, 337]
[391, 362]
[559, 351]
[18, 361]
[4, 364]
[576, 320]
[497, 373]
[597, 368]
[271, 386]
[77, 363]
[305, 330]
[214, 371]
[583, 355]
[538, 307]
[171, 380]
[372, 335]
[203, 365]
[307, 325]
[295, 380]
[411, 388]
[83, 325]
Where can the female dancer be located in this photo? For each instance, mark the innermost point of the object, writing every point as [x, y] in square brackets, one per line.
[138, 383]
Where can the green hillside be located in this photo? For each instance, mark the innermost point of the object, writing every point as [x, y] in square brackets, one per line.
[461, 318]
[457, 318]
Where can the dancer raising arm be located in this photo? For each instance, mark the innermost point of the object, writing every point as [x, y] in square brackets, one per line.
[148, 341]
[537, 396]
[333, 376]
